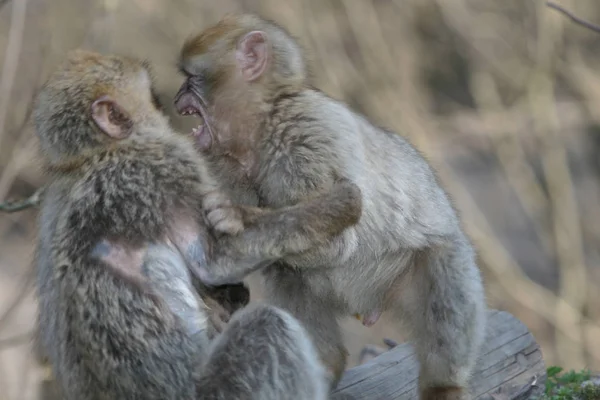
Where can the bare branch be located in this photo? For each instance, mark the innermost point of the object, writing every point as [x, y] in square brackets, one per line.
[11, 59]
[573, 17]
[20, 205]
[565, 216]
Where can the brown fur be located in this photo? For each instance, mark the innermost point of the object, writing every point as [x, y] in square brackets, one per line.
[199, 45]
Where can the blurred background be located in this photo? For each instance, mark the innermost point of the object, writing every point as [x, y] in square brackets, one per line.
[502, 96]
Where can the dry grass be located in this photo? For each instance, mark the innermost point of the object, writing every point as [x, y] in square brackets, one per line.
[502, 96]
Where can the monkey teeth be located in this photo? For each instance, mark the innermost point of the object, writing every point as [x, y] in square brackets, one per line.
[189, 111]
[197, 130]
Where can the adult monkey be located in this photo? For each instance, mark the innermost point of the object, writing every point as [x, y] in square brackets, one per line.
[266, 129]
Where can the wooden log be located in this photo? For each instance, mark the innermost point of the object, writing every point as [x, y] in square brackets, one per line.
[510, 367]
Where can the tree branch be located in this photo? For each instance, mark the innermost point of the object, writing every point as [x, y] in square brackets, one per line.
[573, 17]
[20, 205]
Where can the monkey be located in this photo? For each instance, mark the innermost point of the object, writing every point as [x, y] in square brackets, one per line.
[122, 234]
[265, 128]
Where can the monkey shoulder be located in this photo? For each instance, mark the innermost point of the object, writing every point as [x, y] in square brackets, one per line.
[299, 156]
[342, 143]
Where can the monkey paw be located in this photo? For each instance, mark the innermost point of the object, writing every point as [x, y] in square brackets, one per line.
[221, 215]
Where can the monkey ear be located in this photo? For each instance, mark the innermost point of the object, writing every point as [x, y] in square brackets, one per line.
[252, 55]
[111, 118]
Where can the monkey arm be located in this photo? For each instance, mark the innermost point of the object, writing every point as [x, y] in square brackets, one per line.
[132, 263]
[271, 234]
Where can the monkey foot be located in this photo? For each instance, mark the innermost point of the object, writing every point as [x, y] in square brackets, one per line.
[369, 352]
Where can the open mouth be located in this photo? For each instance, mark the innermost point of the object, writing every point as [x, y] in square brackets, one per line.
[187, 103]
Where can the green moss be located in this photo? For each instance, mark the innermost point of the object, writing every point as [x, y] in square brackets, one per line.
[590, 392]
[568, 386]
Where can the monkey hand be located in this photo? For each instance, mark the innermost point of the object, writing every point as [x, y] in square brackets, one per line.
[221, 215]
[227, 267]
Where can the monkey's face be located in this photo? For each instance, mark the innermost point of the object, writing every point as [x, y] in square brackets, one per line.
[191, 100]
[221, 65]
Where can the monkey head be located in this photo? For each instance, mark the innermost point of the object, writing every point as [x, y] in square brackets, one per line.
[93, 100]
[232, 70]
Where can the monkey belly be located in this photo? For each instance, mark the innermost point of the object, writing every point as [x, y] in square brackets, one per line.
[367, 307]
[367, 284]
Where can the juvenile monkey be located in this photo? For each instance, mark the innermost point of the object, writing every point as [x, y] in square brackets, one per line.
[265, 128]
[122, 233]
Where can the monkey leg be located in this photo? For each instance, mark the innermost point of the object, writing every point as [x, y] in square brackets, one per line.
[287, 290]
[264, 353]
[443, 302]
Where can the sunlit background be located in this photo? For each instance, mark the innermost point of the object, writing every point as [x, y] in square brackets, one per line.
[502, 96]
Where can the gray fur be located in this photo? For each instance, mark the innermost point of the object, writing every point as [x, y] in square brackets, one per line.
[134, 326]
[264, 354]
[407, 255]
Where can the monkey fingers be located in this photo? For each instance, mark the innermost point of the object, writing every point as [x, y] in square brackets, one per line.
[221, 215]
[225, 220]
[369, 352]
